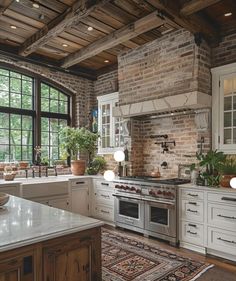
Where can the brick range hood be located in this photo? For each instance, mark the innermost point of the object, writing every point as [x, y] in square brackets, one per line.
[170, 104]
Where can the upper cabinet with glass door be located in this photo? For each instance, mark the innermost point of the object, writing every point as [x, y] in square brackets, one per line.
[224, 108]
[110, 128]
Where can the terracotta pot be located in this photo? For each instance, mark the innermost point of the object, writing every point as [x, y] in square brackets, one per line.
[78, 167]
[225, 180]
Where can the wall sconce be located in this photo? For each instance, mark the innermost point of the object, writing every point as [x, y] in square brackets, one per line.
[119, 156]
[109, 175]
[233, 183]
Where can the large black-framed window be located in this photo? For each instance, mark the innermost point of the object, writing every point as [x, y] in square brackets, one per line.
[32, 111]
[54, 116]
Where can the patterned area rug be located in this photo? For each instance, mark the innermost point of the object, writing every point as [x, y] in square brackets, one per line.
[127, 259]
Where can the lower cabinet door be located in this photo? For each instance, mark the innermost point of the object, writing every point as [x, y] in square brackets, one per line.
[73, 260]
[62, 203]
[222, 240]
[80, 201]
[192, 232]
[104, 212]
[19, 268]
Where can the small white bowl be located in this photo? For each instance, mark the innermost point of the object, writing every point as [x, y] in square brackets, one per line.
[4, 198]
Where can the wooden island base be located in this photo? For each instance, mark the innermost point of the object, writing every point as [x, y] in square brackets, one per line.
[72, 257]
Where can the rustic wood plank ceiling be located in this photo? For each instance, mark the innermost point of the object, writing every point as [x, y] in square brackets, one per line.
[87, 35]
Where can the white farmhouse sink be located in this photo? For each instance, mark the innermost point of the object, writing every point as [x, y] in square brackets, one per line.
[44, 187]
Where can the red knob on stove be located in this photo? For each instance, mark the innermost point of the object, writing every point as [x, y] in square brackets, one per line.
[133, 188]
[127, 187]
[169, 193]
[122, 187]
[117, 186]
[159, 192]
[164, 193]
[151, 192]
[138, 190]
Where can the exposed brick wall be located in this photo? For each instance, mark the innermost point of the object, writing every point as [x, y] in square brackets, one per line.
[225, 52]
[148, 156]
[80, 87]
[172, 64]
[106, 83]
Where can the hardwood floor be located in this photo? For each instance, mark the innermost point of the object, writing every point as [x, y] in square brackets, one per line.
[220, 263]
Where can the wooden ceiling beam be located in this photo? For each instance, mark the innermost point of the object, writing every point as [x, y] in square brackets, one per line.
[194, 6]
[121, 35]
[72, 16]
[194, 23]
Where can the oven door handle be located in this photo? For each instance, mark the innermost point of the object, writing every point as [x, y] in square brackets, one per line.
[130, 199]
[169, 205]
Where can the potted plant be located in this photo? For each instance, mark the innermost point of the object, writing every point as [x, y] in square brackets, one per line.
[97, 165]
[211, 163]
[75, 140]
[228, 171]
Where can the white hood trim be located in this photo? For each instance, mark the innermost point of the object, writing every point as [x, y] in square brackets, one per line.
[192, 100]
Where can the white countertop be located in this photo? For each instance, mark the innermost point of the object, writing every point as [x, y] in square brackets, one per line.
[207, 188]
[60, 178]
[23, 222]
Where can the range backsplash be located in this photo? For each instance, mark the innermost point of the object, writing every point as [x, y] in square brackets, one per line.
[146, 156]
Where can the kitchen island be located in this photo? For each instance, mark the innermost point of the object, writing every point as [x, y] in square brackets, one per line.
[40, 243]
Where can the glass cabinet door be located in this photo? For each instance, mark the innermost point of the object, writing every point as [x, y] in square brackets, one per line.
[228, 111]
[106, 125]
[110, 128]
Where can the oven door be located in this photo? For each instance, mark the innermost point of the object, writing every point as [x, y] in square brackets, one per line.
[129, 211]
[160, 217]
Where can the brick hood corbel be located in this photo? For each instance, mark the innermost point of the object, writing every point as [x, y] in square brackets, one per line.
[175, 103]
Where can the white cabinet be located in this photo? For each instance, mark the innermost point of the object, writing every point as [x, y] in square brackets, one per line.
[12, 189]
[224, 108]
[51, 193]
[211, 227]
[80, 196]
[60, 203]
[110, 128]
[191, 219]
[102, 200]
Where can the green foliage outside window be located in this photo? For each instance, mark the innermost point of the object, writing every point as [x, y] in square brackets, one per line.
[17, 116]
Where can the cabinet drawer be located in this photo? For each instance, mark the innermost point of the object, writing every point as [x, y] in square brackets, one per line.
[191, 194]
[104, 212]
[192, 233]
[227, 198]
[102, 184]
[222, 216]
[80, 182]
[192, 210]
[222, 240]
[104, 197]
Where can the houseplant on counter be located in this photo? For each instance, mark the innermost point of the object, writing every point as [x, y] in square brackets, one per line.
[97, 165]
[211, 163]
[75, 141]
[228, 171]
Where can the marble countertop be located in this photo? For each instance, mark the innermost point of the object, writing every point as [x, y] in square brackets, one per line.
[36, 180]
[23, 222]
[207, 188]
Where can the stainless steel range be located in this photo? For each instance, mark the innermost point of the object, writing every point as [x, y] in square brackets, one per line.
[148, 205]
